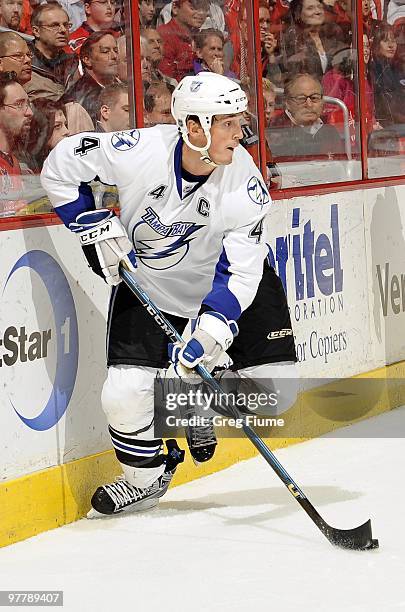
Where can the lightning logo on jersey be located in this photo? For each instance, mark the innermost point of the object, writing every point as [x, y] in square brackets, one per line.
[124, 141]
[159, 246]
[257, 191]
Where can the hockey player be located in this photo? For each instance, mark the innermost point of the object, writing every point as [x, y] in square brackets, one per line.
[191, 227]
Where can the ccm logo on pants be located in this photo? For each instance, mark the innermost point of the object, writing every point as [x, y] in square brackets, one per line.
[281, 333]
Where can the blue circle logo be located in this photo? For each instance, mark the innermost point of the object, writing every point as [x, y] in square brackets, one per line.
[67, 344]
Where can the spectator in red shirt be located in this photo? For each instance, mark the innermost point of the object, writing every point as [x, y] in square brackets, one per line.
[177, 35]
[100, 16]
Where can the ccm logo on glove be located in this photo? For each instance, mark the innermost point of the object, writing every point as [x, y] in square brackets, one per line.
[96, 234]
[105, 243]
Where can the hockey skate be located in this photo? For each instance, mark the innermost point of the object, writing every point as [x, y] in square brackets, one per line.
[122, 496]
[200, 435]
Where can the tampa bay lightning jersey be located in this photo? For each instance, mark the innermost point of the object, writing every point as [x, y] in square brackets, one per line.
[198, 240]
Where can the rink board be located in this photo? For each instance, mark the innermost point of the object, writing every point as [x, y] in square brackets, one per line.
[341, 257]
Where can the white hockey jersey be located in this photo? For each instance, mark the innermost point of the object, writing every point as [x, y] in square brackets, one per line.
[197, 240]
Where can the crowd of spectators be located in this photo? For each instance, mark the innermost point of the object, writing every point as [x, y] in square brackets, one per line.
[69, 57]
[308, 59]
[63, 70]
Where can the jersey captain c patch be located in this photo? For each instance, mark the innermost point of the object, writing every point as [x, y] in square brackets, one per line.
[160, 246]
[257, 191]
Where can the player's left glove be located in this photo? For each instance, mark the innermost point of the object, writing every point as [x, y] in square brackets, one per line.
[213, 335]
[105, 243]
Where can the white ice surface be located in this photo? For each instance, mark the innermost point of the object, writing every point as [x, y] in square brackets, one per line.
[238, 541]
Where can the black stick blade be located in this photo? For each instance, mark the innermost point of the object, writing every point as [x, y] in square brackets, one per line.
[359, 538]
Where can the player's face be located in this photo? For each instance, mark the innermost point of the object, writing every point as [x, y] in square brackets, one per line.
[17, 57]
[16, 113]
[226, 132]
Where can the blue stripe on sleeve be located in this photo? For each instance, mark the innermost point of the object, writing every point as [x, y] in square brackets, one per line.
[85, 201]
[220, 298]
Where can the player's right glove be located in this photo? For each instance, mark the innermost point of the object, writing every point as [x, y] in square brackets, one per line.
[105, 243]
[212, 336]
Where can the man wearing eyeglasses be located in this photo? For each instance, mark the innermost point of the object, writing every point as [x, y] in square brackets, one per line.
[99, 16]
[15, 119]
[300, 131]
[53, 69]
[15, 56]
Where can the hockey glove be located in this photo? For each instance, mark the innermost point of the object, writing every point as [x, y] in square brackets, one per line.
[212, 336]
[105, 243]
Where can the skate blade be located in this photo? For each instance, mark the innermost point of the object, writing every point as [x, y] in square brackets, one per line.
[148, 504]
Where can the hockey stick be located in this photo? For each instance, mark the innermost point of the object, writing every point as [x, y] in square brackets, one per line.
[359, 538]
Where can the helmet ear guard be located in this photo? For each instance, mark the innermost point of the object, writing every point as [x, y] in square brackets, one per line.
[205, 95]
[205, 122]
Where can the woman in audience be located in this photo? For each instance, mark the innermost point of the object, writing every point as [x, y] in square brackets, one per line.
[146, 13]
[310, 42]
[209, 51]
[388, 79]
[48, 127]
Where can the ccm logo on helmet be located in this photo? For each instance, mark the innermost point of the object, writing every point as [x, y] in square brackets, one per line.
[281, 333]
